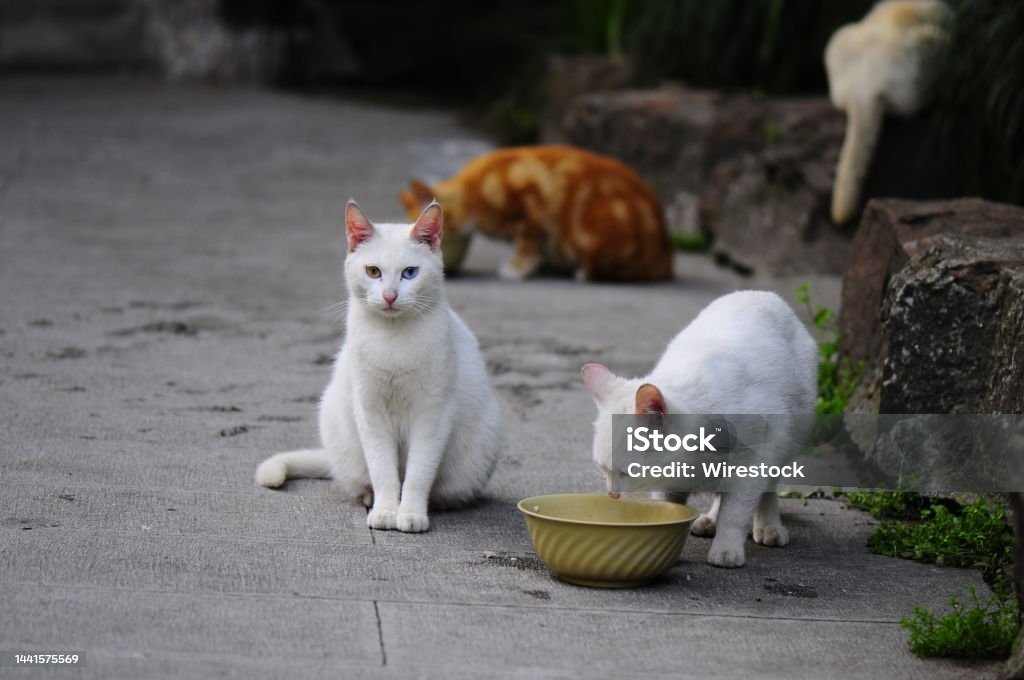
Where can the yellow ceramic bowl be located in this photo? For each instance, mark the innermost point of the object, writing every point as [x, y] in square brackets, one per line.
[453, 250]
[594, 540]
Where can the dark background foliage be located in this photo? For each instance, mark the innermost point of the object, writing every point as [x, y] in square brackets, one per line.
[979, 108]
[774, 46]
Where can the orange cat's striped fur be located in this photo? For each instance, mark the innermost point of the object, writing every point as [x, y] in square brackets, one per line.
[565, 209]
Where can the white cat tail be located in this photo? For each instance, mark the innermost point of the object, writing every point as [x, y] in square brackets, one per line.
[863, 125]
[273, 472]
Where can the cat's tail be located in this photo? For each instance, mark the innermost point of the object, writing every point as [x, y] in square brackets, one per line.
[275, 470]
[863, 125]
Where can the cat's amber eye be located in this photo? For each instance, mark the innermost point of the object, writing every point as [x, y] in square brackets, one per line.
[373, 272]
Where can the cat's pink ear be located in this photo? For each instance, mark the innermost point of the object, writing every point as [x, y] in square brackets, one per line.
[358, 226]
[428, 227]
[598, 379]
[650, 400]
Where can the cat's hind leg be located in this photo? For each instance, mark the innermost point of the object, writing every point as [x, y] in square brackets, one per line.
[768, 529]
[273, 472]
[341, 440]
[472, 454]
[461, 484]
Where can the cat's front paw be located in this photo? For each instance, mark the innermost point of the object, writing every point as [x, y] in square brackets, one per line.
[726, 554]
[413, 522]
[509, 272]
[703, 526]
[379, 518]
[771, 534]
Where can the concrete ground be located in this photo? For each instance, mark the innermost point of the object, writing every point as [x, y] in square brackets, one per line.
[168, 260]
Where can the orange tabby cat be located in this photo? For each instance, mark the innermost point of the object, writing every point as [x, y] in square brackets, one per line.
[565, 209]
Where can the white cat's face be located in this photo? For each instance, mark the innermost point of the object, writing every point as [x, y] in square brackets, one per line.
[394, 270]
[614, 395]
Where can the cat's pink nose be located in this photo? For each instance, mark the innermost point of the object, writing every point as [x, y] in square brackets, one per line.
[390, 296]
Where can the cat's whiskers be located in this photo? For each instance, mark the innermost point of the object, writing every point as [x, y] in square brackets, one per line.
[420, 308]
[336, 312]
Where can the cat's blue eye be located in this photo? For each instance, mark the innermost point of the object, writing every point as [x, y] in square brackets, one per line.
[410, 272]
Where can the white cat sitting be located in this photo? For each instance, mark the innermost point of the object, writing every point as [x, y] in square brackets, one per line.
[408, 416]
[745, 353]
[885, 63]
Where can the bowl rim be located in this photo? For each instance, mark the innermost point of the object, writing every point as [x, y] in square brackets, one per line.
[652, 501]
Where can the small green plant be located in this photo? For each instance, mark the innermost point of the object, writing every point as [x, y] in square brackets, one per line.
[838, 377]
[613, 28]
[885, 504]
[772, 132]
[974, 630]
[692, 242]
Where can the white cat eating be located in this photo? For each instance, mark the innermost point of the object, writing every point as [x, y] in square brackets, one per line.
[745, 353]
[408, 419]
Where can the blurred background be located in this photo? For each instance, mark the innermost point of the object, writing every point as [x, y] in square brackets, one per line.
[699, 97]
[506, 60]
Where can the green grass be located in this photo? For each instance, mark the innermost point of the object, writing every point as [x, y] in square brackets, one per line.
[977, 629]
[838, 377]
[975, 535]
